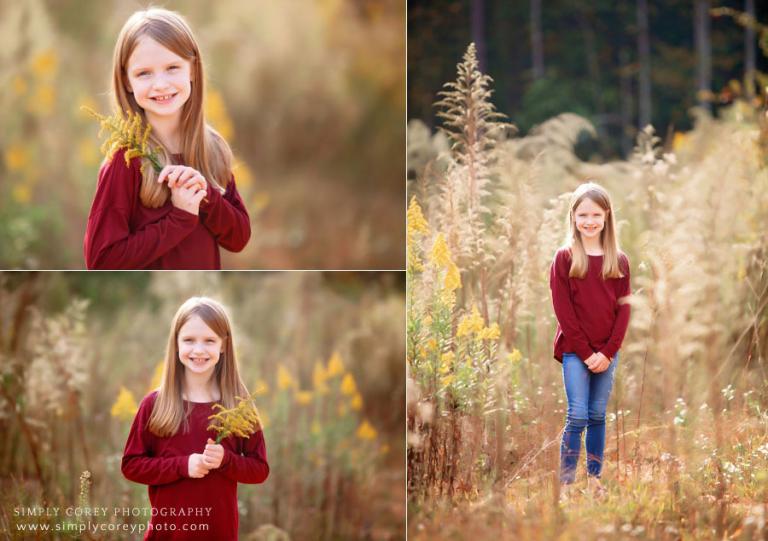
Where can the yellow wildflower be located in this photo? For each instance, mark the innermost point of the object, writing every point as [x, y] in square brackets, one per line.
[21, 193]
[366, 431]
[157, 376]
[45, 63]
[431, 345]
[440, 256]
[515, 356]
[241, 420]
[446, 362]
[19, 85]
[284, 379]
[319, 377]
[416, 222]
[125, 406]
[261, 388]
[348, 385]
[452, 277]
[357, 402]
[17, 157]
[303, 397]
[447, 380]
[216, 114]
[335, 366]
[472, 323]
[490, 333]
[128, 133]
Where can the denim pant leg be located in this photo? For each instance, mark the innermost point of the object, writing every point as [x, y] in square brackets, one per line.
[600, 386]
[576, 377]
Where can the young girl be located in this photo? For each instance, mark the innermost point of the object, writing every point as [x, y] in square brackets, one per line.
[590, 287]
[193, 481]
[176, 219]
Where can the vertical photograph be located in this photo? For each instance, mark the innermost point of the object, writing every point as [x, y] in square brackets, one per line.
[202, 406]
[587, 270]
[202, 135]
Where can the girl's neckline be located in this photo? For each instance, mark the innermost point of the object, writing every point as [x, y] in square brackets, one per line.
[191, 402]
[595, 255]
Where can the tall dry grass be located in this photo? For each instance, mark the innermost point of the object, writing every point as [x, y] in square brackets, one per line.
[687, 440]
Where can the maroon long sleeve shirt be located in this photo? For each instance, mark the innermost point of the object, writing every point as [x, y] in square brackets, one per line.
[124, 234]
[185, 508]
[592, 315]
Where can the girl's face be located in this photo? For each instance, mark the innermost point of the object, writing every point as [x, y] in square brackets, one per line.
[199, 347]
[159, 79]
[589, 218]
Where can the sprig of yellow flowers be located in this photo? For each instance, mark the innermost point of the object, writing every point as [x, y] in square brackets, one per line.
[126, 132]
[242, 420]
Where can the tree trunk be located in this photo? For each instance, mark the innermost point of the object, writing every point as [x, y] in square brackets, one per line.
[537, 41]
[626, 100]
[644, 56]
[749, 51]
[477, 15]
[703, 54]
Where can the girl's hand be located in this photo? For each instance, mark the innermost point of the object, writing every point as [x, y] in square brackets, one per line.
[213, 454]
[181, 175]
[196, 466]
[188, 197]
[601, 363]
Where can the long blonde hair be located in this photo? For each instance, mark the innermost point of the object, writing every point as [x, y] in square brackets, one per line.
[202, 146]
[168, 413]
[608, 238]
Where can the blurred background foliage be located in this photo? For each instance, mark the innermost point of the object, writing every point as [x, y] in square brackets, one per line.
[591, 61]
[310, 95]
[322, 353]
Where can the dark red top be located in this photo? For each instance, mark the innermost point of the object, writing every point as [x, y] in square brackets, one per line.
[590, 317]
[124, 234]
[208, 504]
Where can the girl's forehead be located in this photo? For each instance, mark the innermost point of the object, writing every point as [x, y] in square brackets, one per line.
[587, 205]
[148, 53]
[196, 325]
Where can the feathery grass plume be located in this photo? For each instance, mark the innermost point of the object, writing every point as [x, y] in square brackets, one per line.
[242, 420]
[127, 133]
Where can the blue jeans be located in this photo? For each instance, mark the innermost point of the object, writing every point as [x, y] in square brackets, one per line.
[588, 395]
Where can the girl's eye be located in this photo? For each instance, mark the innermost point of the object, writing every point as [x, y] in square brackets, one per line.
[209, 341]
[173, 68]
[143, 73]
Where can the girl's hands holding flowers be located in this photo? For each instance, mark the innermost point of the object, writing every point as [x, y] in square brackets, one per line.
[188, 187]
[196, 466]
[213, 454]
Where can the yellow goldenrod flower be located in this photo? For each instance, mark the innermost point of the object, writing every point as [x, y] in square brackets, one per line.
[515, 356]
[348, 385]
[490, 333]
[126, 133]
[446, 362]
[284, 379]
[357, 402]
[22, 193]
[335, 366]
[319, 377]
[416, 222]
[365, 431]
[19, 85]
[157, 376]
[241, 420]
[125, 406]
[45, 64]
[216, 115]
[17, 157]
[473, 323]
[431, 345]
[440, 256]
[261, 388]
[452, 277]
[303, 397]
[447, 380]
